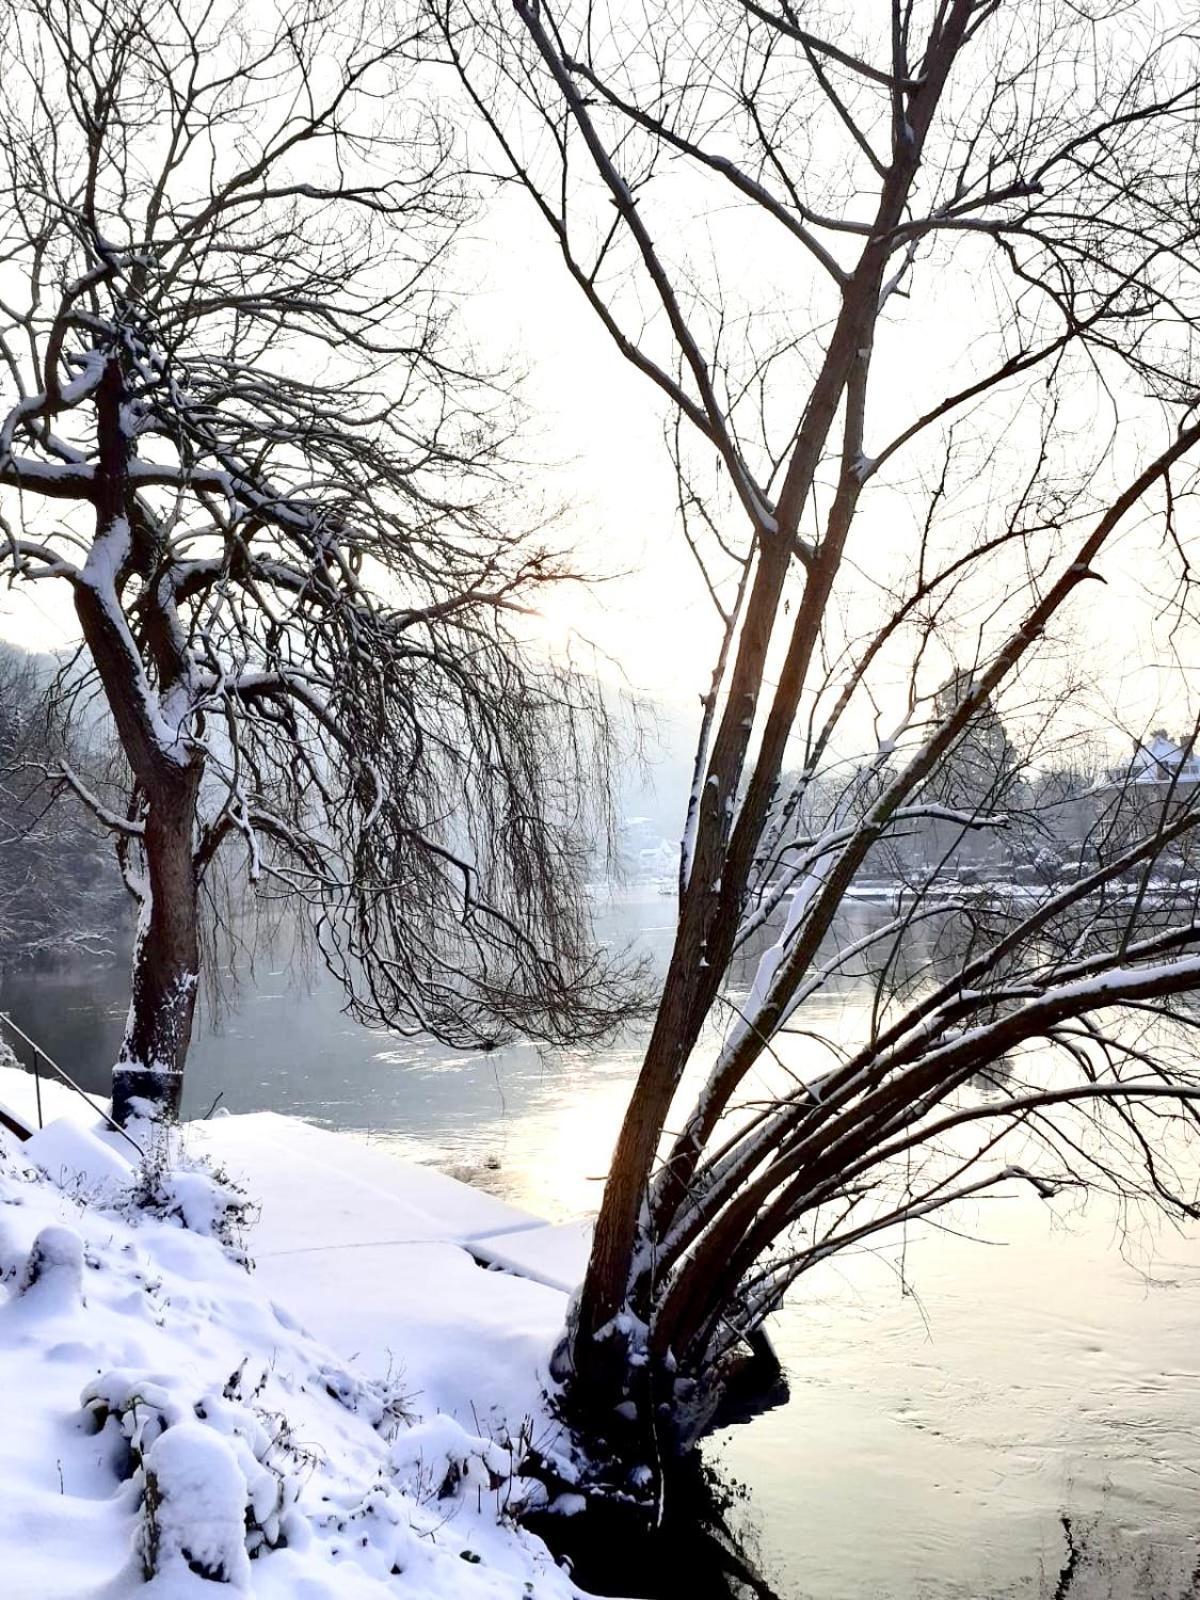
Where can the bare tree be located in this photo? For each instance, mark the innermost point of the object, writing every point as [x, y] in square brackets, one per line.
[240, 432]
[919, 304]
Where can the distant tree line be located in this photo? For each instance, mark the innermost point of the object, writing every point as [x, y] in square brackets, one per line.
[60, 893]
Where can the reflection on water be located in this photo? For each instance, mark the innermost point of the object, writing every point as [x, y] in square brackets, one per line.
[951, 1399]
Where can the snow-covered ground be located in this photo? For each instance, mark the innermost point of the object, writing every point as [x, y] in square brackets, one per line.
[339, 1423]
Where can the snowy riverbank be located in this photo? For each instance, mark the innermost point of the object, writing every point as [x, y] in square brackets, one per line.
[339, 1423]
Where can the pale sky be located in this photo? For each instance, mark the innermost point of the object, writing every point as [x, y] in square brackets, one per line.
[603, 421]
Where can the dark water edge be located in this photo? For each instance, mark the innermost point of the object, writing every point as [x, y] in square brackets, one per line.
[692, 1551]
[74, 1010]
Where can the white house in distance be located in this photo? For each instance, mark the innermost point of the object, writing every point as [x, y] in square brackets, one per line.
[645, 856]
[1160, 760]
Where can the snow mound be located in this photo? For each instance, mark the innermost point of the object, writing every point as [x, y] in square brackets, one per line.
[78, 1160]
[53, 1273]
[169, 1433]
[195, 1507]
[23, 1094]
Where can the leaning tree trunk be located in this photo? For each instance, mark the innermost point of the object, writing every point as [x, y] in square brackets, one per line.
[148, 1077]
[167, 767]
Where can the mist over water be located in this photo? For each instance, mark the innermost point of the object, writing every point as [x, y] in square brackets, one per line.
[955, 1394]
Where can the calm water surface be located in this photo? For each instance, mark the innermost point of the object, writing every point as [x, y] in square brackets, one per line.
[952, 1400]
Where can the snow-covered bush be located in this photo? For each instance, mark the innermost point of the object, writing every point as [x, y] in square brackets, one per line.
[131, 1409]
[441, 1457]
[1047, 865]
[243, 1459]
[382, 1402]
[191, 1191]
[164, 1181]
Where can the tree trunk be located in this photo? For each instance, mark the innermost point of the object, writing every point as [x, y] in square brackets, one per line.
[148, 1077]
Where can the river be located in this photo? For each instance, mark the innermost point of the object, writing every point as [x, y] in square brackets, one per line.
[952, 1400]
